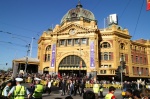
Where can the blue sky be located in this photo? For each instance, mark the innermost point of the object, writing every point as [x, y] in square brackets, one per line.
[30, 18]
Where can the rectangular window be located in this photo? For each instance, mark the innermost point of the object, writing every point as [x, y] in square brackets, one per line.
[140, 60]
[62, 42]
[104, 71]
[69, 42]
[136, 59]
[122, 57]
[76, 41]
[48, 57]
[144, 50]
[109, 66]
[132, 58]
[101, 71]
[83, 41]
[106, 66]
[147, 72]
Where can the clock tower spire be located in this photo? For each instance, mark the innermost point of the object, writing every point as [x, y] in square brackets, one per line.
[79, 4]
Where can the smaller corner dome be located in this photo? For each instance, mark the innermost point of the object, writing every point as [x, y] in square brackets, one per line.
[76, 13]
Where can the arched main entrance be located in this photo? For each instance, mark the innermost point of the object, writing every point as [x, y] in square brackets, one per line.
[46, 70]
[72, 65]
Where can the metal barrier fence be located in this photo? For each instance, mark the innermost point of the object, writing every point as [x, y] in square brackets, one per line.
[56, 83]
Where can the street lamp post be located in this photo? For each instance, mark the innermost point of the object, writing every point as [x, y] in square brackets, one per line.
[121, 70]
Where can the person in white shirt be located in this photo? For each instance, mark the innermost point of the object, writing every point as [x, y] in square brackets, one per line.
[49, 86]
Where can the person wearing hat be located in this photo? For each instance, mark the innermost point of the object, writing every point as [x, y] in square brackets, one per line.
[111, 95]
[38, 89]
[19, 91]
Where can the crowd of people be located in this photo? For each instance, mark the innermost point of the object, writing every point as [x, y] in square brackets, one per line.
[70, 86]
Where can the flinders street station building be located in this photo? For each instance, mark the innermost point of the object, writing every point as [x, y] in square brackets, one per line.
[77, 46]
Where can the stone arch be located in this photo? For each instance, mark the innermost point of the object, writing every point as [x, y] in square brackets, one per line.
[122, 46]
[72, 61]
[46, 70]
[71, 53]
[107, 42]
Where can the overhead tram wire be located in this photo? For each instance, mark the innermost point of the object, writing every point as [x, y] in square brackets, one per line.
[15, 44]
[16, 34]
[138, 19]
[22, 28]
[10, 48]
[129, 1]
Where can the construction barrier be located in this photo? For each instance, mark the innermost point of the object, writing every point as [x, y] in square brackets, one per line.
[104, 85]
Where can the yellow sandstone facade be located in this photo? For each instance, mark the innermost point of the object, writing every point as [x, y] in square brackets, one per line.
[78, 46]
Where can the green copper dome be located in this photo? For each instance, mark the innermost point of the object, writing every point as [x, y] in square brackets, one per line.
[76, 13]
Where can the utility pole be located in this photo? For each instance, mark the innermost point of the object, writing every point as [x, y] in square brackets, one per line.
[121, 75]
[26, 64]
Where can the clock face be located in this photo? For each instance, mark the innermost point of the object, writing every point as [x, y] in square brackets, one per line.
[72, 31]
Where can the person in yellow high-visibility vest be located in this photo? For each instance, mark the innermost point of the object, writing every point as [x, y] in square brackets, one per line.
[38, 90]
[96, 89]
[18, 91]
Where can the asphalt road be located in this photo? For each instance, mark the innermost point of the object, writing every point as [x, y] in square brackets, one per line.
[56, 93]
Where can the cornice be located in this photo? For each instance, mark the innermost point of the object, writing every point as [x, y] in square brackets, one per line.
[138, 43]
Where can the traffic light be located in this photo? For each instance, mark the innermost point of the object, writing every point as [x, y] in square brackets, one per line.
[117, 72]
[124, 65]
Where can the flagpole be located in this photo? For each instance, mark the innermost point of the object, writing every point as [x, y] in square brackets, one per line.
[104, 23]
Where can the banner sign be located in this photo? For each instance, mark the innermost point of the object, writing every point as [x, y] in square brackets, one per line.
[92, 56]
[53, 59]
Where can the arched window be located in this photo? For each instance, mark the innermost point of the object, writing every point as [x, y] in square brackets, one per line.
[105, 45]
[48, 48]
[47, 53]
[105, 56]
[122, 46]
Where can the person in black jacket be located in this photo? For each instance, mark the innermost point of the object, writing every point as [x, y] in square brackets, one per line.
[82, 86]
[76, 87]
[63, 86]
